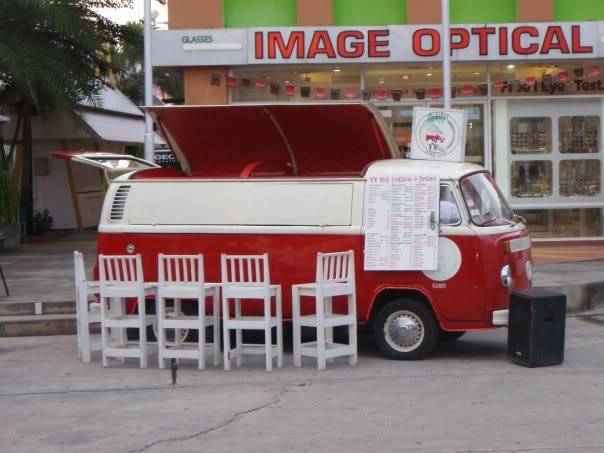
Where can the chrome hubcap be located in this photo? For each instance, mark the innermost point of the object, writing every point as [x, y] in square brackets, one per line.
[404, 331]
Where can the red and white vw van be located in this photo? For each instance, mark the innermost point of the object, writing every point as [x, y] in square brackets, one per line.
[290, 180]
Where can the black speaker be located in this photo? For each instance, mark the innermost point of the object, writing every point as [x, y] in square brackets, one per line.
[536, 328]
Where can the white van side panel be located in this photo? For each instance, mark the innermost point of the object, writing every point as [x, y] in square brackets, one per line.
[253, 203]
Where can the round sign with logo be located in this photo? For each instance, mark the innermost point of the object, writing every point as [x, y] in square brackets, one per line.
[438, 134]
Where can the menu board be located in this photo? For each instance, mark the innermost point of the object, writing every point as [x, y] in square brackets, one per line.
[401, 229]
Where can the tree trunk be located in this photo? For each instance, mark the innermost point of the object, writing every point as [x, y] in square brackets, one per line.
[26, 168]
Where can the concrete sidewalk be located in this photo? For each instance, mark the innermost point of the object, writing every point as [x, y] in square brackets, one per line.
[467, 397]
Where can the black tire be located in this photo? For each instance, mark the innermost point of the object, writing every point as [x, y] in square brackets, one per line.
[424, 329]
[448, 337]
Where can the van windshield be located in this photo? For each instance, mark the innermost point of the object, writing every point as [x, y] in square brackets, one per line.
[486, 205]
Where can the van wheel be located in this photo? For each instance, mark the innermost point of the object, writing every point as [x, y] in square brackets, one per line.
[405, 329]
[448, 337]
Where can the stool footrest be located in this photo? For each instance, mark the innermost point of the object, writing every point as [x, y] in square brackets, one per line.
[333, 320]
[249, 322]
[253, 349]
[331, 350]
[186, 322]
[185, 352]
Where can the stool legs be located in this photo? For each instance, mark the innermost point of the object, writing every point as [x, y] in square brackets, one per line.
[161, 333]
[216, 325]
[297, 335]
[238, 333]
[142, 331]
[268, 340]
[320, 304]
[279, 329]
[329, 330]
[352, 330]
[226, 335]
[201, 337]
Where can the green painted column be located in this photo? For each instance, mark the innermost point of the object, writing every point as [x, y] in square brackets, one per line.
[259, 13]
[578, 10]
[369, 12]
[483, 11]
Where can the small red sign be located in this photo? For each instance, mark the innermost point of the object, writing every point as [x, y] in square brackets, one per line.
[435, 93]
[563, 76]
[290, 90]
[499, 84]
[232, 82]
[350, 93]
[260, 83]
[381, 94]
[320, 92]
[467, 90]
[594, 71]
[531, 81]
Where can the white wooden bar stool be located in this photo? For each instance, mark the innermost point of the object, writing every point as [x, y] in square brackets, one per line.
[247, 277]
[182, 277]
[86, 313]
[121, 277]
[335, 277]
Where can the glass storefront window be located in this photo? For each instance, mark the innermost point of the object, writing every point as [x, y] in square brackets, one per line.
[579, 134]
[547, 223]
[310, 83]
[531, 179]
[531, 135]
[580, 178]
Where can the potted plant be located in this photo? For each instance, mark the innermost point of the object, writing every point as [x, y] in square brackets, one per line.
[10, 196]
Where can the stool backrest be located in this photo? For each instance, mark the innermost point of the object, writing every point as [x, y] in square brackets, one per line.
[116, 269]
[335, 267]
[79, 271]
[245, 269]
[180, 268]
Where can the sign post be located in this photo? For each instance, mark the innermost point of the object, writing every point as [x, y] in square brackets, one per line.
[446, 46]
[148, 68]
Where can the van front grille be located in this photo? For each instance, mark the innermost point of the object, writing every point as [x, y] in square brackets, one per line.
[119, 203]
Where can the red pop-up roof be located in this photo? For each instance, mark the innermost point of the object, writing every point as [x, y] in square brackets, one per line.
[297, 139]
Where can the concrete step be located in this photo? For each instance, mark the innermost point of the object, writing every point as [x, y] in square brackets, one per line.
[18, 307]
[36, 325]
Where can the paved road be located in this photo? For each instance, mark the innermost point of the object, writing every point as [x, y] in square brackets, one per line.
[466, 398]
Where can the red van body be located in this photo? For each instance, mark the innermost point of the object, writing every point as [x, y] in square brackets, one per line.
[260, 155]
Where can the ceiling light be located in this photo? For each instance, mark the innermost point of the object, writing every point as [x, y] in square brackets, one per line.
[381, 81]
[405, 77]
[477, 73]
[337, 70]
[511, 66]
[429, 74]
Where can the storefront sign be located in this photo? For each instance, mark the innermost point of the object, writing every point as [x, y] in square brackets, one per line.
[394, 43]
[401, 215]
[438, 134]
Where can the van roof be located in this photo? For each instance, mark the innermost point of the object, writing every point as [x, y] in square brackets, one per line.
[305, 139]
[446, 170]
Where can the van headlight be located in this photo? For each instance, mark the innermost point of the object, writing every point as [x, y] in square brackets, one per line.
[506, 276]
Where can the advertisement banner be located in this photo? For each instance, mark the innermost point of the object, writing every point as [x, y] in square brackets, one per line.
[375, 44]
[401, 218]
[438, 134]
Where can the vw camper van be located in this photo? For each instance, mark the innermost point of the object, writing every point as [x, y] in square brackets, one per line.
[290, 180]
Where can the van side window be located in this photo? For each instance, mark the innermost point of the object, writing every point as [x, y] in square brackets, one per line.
[449, 212]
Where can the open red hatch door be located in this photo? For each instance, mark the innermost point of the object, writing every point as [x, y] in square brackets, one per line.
[112, 163]
[295, 139]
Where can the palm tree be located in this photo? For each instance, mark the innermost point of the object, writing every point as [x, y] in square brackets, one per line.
[128, 60]
[51, 56]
